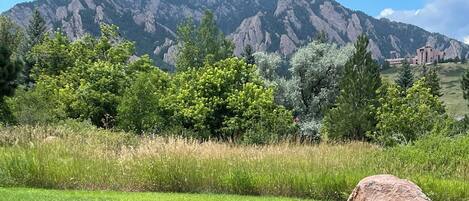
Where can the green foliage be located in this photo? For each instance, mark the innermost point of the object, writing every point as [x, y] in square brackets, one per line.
[36, 30]
[354, 113]
[202, 44]
[248, 55]
[321, 37]
[226, 99]
[102, 160]
[432, 81]
[35, 34]
[142, 108]
[465, 85]
[52, 56]
[9, 70]
[37, 105]
[316, 70]
[11, 36]
[90, 74]
[404, 117]
[405, 78]
[386, 65]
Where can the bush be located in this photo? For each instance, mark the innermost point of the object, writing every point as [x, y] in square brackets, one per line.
[404, 116]
[226, 99]
[141, 108]
[36, 106]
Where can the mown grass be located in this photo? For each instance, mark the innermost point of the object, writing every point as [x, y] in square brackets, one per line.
[22, 194]
[450, 75]
[83, 158]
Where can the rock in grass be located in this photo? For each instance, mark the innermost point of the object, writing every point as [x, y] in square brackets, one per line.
[387, 188]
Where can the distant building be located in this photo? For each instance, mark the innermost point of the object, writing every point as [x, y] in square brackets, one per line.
[427, 55]
[424, 55]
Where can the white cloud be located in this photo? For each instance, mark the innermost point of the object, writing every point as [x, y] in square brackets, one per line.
[466, 40]
[386, 13]
[449, 17]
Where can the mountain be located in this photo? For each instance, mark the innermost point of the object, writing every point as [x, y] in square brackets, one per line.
[268, 25]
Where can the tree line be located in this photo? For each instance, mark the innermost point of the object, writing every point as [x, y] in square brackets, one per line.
[331, 93]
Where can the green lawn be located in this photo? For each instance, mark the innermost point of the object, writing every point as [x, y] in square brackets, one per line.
[450, 76]
[21, 194]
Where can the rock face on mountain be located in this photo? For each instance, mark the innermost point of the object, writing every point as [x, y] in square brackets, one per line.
[268, 25]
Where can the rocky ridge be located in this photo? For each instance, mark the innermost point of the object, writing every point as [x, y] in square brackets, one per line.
[268, 25]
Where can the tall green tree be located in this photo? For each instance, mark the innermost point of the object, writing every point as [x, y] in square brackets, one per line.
[141, 108]
[35, 33]
[355, 112]
[11, 36]
[465, 85]
[405, 78]
[248, 55]
[316, 71]
[89, 75]
[226, 100]
[203, 44]
[9, 70]
[321, 37]
[432, 81]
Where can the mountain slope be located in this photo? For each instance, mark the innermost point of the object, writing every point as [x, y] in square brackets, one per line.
[268, 25]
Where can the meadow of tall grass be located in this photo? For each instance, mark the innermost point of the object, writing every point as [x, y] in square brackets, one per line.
[78, 156]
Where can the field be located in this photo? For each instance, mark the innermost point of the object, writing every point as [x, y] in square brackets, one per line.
[21, 194]
[80, 157]
[450, 75]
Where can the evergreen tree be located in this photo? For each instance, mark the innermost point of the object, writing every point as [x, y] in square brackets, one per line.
[36, 32]
[9, 70]
[405, 78]
[248, 55]
[322, 37]
[201, 45]
[386, 65]
[432, 81]
[465, 85]
[11, 36]
[36, 29]
[355, 111]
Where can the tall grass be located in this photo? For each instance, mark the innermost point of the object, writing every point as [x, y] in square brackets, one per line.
[82, 157]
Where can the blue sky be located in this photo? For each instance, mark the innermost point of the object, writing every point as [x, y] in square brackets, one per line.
[6, 4]
[374, 7]
[449, 17]
[371, 7]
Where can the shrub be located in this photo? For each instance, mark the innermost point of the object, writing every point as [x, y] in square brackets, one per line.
[141, 108]
[36, 106]
[226, 99]
[404, 116]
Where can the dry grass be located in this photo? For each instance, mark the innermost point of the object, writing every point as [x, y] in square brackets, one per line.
[81, 157]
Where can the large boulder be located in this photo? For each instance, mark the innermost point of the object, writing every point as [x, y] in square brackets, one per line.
[387, 188]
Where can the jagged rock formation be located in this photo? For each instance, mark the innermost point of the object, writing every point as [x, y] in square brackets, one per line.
[267, 25]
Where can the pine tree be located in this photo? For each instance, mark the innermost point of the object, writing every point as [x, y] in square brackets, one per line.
[354, 114]
[248, 55]
[386, 65]
[204, 44]
[36, 32]
[321, 37]
[405, 77]
[465, 85]
[36, 29]
[432, 81]
[8, 73]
